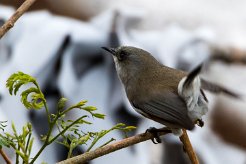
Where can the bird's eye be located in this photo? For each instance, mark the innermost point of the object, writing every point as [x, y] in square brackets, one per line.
[122, 55]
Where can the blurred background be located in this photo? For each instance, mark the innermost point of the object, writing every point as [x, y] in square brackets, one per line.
[58, 42]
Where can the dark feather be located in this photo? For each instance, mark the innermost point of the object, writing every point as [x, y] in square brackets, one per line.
[215, 88]
[204, 96]
[168, 109]
[192, 75]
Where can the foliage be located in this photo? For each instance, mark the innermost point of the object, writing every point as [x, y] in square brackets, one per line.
[3, 141]
[68, 130]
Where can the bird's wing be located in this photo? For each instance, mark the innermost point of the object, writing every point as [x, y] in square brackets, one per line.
[166, 108]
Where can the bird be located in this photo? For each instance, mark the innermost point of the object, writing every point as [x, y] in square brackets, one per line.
[166, 95]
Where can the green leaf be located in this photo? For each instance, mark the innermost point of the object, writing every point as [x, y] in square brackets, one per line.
[17, 86]
[37, 101]
[20, 154]
[43, 137]
[119, 125]
[129, 128]
[61, 103]
[4, 142]
[68, 130]
[13, 128]
[16, 80]
[89, 108]
[79, 105]
[99, 115]
[84, 122]
[83, 139]
[30, 145]
[82, 103]
[2, 125]
[29, 126]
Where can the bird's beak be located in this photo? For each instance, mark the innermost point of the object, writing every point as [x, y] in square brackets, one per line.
[110, 50]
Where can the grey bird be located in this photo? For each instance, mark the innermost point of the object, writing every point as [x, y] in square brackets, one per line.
[168, 96]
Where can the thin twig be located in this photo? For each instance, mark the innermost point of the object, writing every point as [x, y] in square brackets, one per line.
[19, 12]
[111, 148]
[5, 157]
[188, 147]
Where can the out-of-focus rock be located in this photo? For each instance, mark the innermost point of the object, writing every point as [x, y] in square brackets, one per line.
[228, 121]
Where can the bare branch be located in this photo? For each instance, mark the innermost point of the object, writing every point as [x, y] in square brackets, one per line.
[19, 12]
[188, 147]
[228, 55]
[112, 147]
[5, 157]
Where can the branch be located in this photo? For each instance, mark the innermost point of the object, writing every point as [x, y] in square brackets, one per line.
[188, 147]
[5, 157]
[112, 147]
[19, 12]
[228, 55]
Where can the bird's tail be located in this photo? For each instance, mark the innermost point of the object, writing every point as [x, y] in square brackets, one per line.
[215, 88]
[206, 85]
[192, 75]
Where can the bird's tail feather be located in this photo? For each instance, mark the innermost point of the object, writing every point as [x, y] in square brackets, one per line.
[192, 75]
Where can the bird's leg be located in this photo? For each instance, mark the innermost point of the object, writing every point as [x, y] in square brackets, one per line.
[155, 133]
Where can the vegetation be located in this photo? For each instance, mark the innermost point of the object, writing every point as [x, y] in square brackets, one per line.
[67, 131]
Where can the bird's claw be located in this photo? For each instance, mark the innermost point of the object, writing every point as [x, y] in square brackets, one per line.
[154, 132]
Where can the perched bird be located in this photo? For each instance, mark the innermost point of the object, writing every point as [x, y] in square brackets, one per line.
[171, 97]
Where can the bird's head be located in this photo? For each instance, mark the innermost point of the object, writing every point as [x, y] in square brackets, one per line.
[130, 61]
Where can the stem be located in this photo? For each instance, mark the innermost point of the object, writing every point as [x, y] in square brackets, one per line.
[70, 152]
[98, 137]
[16, 154]
[44, 101]
[64, 130]
[51, 125]
[27, 145]
[188, 147]
[112, 147]
[64, 137]
[47, 112]
[111, 140]
[47, 141]
[5, 157]
[92, 144]
[39, 152]
[67, 110]
[17, 139]
[61, 143]
[19, 12]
